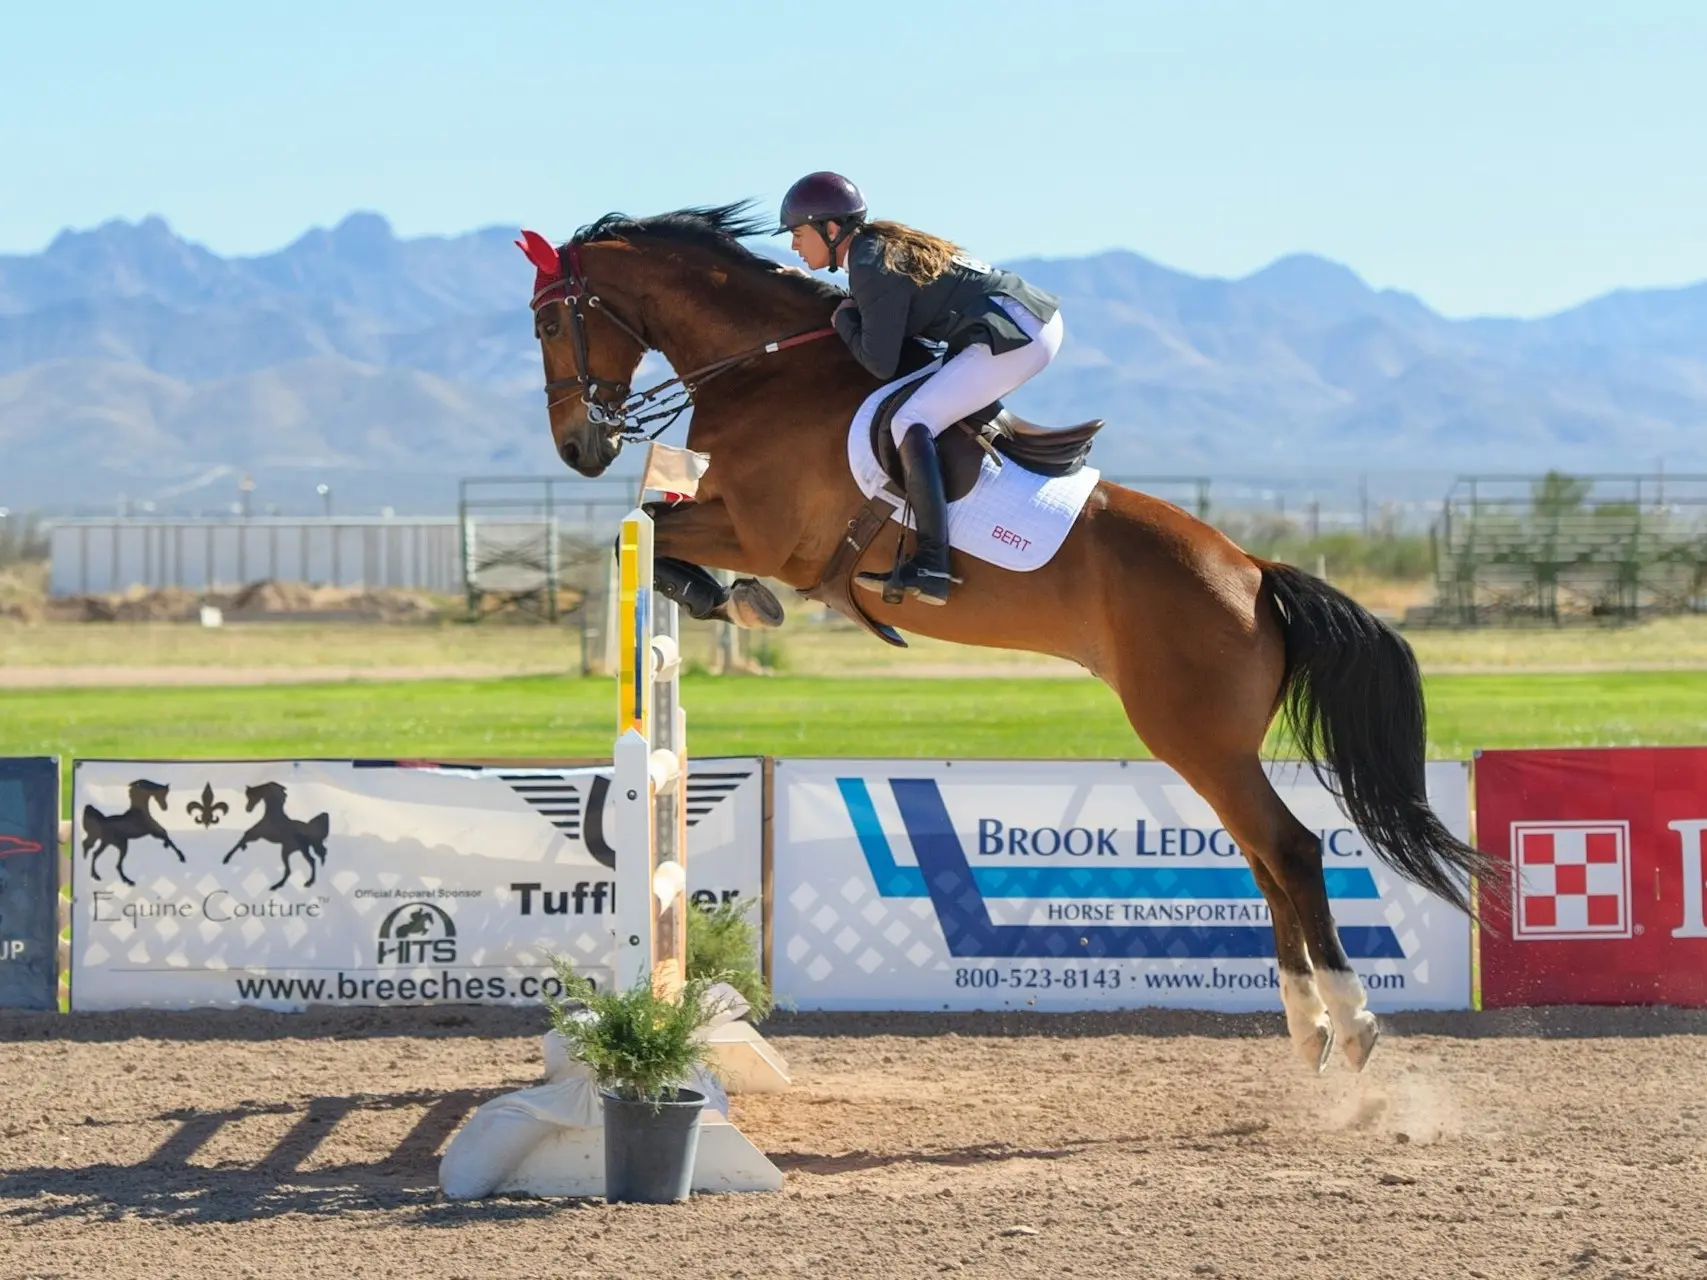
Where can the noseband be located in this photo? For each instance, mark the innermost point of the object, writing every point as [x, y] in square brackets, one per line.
[615, 406]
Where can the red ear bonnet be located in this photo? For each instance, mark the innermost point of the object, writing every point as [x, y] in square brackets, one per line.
[543, 255]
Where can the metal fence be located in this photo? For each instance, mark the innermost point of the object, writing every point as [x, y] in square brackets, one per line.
[534, 545]
[113, 555]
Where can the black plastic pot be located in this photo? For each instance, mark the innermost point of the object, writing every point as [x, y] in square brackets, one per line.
[650, 1148]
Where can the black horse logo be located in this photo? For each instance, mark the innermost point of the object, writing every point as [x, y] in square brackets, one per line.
[278, 827]
[103, 831]
[419, 922]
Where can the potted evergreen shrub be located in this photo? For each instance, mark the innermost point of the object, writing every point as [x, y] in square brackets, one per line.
[642, 1048]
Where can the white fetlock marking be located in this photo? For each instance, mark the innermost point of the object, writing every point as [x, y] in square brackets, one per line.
[1346, 1000]
[1342, 993]
[1302, 1002]
[1307, 1021]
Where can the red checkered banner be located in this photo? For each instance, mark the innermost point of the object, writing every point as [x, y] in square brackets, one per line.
[1606, 895]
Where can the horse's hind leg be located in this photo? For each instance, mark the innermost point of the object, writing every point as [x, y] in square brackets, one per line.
[284, 858]
[1233, 783]
[1246, 803]
[1307, 1020]
[1292, 857]
[1300, 871]
[1201, 699]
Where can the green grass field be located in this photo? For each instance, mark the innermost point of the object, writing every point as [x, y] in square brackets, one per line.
[539, 717]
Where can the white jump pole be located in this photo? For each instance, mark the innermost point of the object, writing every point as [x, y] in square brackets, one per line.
[649, 787]
[650, 775]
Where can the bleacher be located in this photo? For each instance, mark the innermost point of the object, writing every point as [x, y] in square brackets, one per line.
[1556, 548]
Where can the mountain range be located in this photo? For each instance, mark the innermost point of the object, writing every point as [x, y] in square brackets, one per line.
[136, 366]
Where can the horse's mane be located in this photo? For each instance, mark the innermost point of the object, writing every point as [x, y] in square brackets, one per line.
[716, 229]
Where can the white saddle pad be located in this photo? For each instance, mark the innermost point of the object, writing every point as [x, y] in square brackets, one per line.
[1013, 518]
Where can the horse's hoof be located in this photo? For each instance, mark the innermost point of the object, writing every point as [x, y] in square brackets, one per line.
[752, 605]
[1362, 1041]
[1316, 1045]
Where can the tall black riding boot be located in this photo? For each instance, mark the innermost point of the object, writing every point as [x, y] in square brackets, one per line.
[926, 575]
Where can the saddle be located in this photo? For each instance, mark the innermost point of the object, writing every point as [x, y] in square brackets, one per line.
[993, 429]
[961, 449]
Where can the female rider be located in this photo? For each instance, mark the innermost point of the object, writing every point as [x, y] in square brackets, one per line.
[997, 331]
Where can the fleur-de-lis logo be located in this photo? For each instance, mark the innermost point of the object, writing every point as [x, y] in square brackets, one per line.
[206, 811]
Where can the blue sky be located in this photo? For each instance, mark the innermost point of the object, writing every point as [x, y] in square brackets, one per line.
[1507, 156]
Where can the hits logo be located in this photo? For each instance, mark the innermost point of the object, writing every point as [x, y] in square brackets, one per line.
[417, 933]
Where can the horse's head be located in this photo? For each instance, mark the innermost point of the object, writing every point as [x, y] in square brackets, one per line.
[679, 283]
[260, 793]
[144, 793]
[591, 351]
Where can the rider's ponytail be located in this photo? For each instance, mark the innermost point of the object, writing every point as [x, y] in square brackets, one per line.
[915, 254]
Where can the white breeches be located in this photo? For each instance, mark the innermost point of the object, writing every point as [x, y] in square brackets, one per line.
[976, 376]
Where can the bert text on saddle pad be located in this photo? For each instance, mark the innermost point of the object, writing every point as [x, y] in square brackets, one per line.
[1013, 518]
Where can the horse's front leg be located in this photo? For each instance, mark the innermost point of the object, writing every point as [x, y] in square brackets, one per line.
[688, 535]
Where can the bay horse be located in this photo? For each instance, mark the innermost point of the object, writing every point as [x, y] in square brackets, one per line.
[1203, 644]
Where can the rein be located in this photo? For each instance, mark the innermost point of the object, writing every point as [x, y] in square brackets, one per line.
[621, 410]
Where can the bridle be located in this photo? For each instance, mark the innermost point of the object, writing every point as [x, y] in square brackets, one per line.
[614, 405]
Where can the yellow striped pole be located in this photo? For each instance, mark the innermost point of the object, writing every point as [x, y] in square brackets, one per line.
[649, 775]
[634, 614]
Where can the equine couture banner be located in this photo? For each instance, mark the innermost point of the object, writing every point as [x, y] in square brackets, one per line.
[1608, 878]
[284, 884]
[915, 885]
[29, 884]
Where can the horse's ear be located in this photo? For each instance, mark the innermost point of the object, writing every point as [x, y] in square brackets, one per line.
[540, 252]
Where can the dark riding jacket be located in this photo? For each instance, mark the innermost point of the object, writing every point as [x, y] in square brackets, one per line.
[958, 308]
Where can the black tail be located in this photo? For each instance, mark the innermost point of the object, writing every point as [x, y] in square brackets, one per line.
[1352, 700]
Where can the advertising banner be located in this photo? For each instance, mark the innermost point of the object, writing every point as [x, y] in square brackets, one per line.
[915, 885]
[283, 884]
[1605, 901]
[29, 883]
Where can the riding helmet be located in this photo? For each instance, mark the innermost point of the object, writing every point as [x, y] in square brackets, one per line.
[821, 197]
